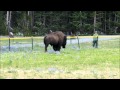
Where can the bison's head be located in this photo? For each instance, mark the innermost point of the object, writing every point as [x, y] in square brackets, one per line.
[64, 41]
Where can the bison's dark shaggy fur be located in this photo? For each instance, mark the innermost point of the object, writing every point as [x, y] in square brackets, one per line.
[56, 40]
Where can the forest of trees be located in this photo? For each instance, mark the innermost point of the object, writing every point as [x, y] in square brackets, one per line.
[35, 23]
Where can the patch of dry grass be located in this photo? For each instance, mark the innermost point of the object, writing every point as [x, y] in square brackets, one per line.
[89, 73]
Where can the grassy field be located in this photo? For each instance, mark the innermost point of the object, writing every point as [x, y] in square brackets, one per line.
[71, 63]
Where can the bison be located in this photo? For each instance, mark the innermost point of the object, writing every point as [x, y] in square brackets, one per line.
[56, 40]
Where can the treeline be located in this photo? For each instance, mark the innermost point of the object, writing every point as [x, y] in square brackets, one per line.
[29, 23]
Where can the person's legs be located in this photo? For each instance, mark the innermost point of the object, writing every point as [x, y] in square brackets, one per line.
[96, 44]
[93, 43]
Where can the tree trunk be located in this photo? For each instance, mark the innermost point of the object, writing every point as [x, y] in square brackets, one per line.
[32, 20]
[109, 21]
[8, 20]
[94, 21]
[44, 19]
[115, 20]
[80, 21]
[105, 22]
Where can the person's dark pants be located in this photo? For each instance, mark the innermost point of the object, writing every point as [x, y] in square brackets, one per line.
[95, 43]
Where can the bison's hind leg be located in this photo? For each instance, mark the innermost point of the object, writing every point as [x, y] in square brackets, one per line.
[46, 45]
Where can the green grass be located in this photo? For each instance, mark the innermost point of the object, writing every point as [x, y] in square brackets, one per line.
[88, 62]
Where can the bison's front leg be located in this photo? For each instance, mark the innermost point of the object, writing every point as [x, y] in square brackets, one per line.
[54, 47]
[58, 48]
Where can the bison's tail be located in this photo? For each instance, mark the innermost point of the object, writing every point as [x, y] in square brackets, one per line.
[45, 39]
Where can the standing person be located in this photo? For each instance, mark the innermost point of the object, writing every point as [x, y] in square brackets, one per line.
[95, 39]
